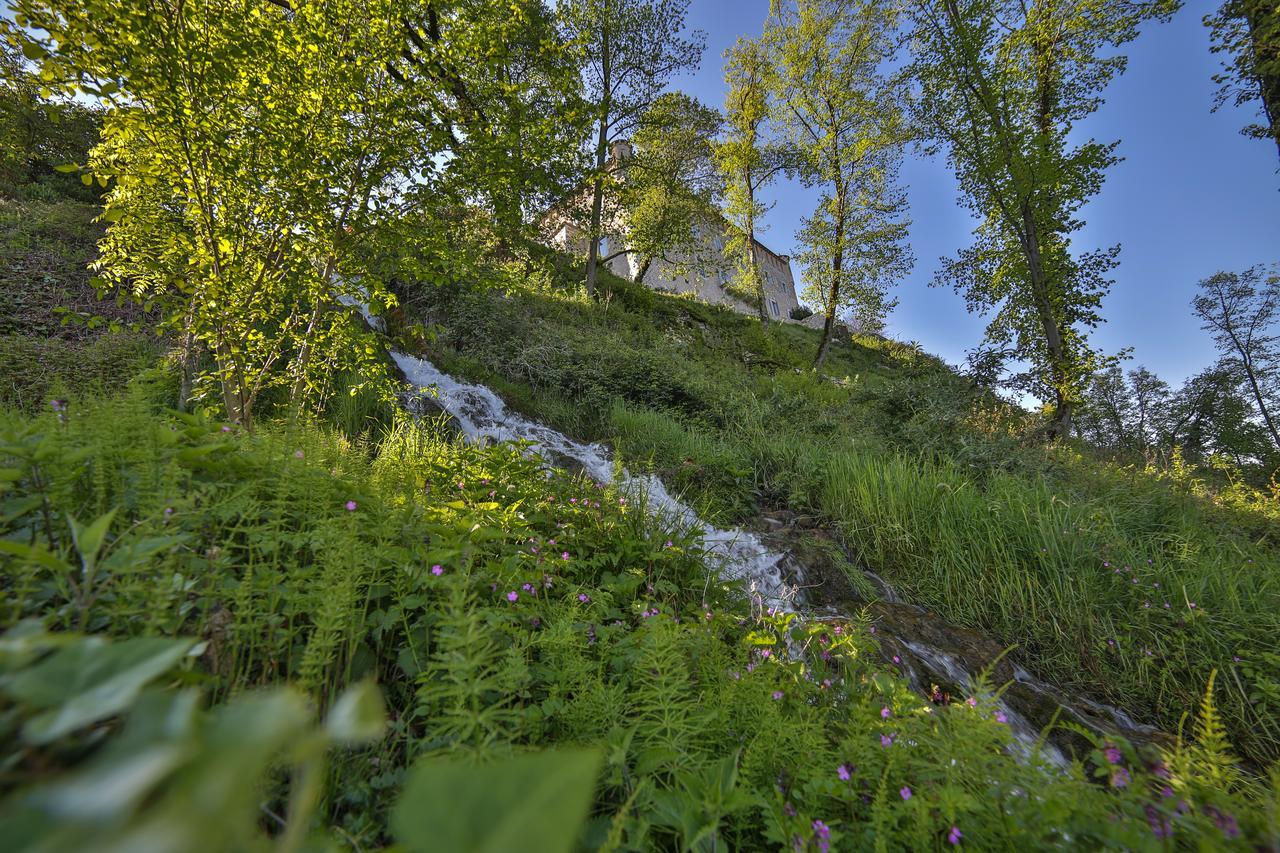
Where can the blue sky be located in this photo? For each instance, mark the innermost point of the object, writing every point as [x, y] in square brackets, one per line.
[1192, 197]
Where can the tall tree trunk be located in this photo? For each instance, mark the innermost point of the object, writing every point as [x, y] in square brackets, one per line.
[1252, 377]
[643, 271]
[1059, 370]
[833, 295]
[232, 385]
[602, 153]
[757, 281]
[1246, 362]
[593, 235]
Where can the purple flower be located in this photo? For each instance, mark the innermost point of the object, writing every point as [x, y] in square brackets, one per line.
[884, 713]
[886, 741]
[168, 511]
[584, 598]
[1119, 778]
[224, 429]
[513, 596]
[351, 506]
[821, 830]
[897, 659]
[972, 702]
[1001, 718]
[1160, 826]
[1113, 755]
[298, 454]
[845, 772]
[668, 544]
[564, 555]
[954, 836]
[437, 570]
[777, 694]
[905, 793]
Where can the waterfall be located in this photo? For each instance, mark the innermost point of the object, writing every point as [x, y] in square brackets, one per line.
[481, 415]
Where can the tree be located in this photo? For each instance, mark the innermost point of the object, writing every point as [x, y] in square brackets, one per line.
[38, 134]
[1241, 311]
[846, 123]
[253, 146]
[1248, 31]
[1106, 410]
[1211, 414]
[669, 186]
[629, 51]
[1001, 84]
[749, 159]
[1150, 395]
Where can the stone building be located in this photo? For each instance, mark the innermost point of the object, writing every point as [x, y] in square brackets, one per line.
[702, 272]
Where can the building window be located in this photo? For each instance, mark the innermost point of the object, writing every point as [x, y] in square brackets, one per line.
[773, 304]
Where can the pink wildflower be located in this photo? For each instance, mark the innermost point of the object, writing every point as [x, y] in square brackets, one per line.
[437, 570]
[513, 596]
[905, 793]
[351, 506]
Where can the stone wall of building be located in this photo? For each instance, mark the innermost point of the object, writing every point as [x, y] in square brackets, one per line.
[703, 272]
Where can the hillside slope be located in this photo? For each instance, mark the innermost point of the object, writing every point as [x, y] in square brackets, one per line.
[1126, 585]
[211, 614]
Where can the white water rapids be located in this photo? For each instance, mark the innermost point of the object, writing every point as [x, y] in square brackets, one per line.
[481, 415]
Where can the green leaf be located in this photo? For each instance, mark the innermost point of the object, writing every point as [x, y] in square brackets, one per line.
[66, 168]
[358, 715]
[89, 539]
[37, 554]
[33, 51]
[90, 681]
[536, 801]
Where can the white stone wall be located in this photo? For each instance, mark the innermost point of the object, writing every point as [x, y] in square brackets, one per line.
[704, 275]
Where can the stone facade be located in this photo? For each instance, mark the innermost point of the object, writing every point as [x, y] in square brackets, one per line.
[703, 273]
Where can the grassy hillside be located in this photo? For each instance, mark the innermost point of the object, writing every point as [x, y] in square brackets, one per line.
[55, 335]
[1128, 585]
[362, 632]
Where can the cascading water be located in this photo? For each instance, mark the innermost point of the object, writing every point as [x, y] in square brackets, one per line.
[481, 414]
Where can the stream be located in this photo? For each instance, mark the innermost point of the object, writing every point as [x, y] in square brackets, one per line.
[781, 571]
